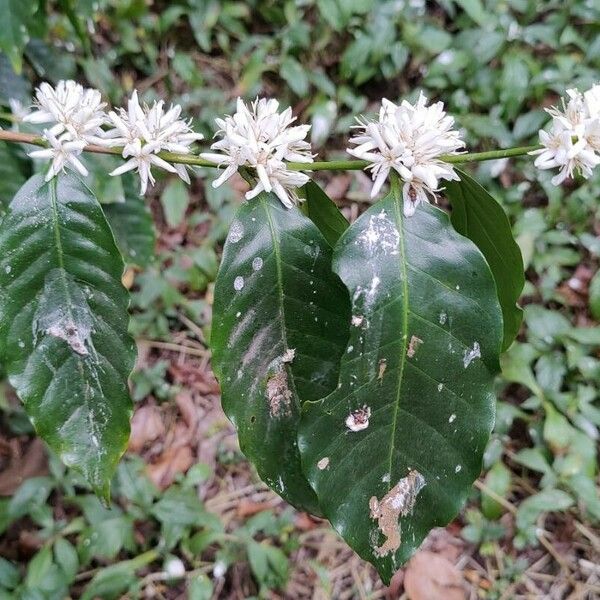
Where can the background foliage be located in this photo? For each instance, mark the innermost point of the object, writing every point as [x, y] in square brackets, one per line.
[496, 65]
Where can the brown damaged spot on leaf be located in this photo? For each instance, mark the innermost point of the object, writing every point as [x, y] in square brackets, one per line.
[413, 345]
[279, 394]
[398, 502]
[382, 368]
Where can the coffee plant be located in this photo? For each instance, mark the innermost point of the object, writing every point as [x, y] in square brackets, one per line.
[356, 360]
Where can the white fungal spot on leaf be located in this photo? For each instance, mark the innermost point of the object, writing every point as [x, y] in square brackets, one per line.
[63, 313]
[381, 236]
[451, 418]
[458, 468]
[238, 283]
[236, 232]
[323, 463]
[398, 502]
[67, 330]
[443, 318]
[358, 419]
[471, 354]
[357, 320]
[257, 263]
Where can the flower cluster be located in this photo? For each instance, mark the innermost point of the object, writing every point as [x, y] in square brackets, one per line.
[410, 139]
[573, 142]
[77, 119]
[76, 115]
[260, 137]
[145, 131]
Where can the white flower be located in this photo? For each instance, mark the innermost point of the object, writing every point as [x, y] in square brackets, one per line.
[72, 109]
[175, 568]
[144, 132]
[592, 101]
[75, 115]
[62, 152]
[410, 139]
[573, 141]
[260, 137]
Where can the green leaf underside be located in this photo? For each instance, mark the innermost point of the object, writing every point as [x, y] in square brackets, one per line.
[63, 323]
[477, 215]
[275, 292]
[132, 225]
[324, 213]
[425, 337]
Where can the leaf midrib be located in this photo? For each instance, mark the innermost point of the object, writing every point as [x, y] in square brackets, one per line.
[405, 302]
[63, 277]
[277, 252]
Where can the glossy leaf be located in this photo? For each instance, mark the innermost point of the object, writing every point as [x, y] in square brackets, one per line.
[324, 213]
[132, 225]
[63, 323]
[394, 450]
[279, 327]
[476, 215]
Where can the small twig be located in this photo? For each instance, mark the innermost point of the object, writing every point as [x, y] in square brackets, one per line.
[332, 165]
[499, 499]
[174, 347]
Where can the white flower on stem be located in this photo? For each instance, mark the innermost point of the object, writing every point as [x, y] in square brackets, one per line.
[260, 137]
[142, 158]
[61, 152]
[409, 139]
[144, 132]
[573, 142]
[560, 151]
[75, 115]
[72, 109]
[592, 101]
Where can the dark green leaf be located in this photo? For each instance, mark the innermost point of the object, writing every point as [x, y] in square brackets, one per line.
[403, 435]
[324, 213]
[132, 224]
[63, 325]
[476, 215]
[279, 327]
